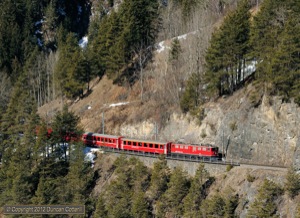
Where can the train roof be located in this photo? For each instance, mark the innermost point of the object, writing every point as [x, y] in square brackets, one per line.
[143, 140]
[102, 135]
[204, 145]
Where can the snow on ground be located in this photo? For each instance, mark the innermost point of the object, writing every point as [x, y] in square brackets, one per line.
[118, 104]
[161, 47]
[83, 42]
[39, 22]
[90, 154]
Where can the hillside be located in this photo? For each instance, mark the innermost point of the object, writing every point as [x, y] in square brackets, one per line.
[222, 72]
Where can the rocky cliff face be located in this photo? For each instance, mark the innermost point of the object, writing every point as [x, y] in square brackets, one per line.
[265, 134]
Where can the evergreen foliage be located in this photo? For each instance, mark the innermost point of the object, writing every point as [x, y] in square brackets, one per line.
[190, 99]
[125, 196]
[17, 169]
[100, 211]
[175, 50]
[188, 7]
[264, 204]
[213, 207]
[197, 193]
[226, 56]
[120, 33]
[172, 199]
[159, 178]
[274, 38]
[292, 185]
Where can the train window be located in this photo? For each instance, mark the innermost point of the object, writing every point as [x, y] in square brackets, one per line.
[156, 146]
[186, 147]
[161, 146]
[151, 145]
[146, 145]
[181, 146]
[208, 149]
[176, 146]
[204, 149]
[134, 143]
[140, 144]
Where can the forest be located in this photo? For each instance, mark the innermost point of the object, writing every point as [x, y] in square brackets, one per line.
[41, 60]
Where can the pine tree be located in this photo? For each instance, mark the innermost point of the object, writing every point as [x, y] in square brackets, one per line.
[65, 131]
[226, 56]
[197, 193]
[292, 185]
[118, 197]
[79, 176]
[190, 99]
[140, 206]
[159, 179]
[100, 211]
[264, 204]
[177, 189]
[18, 168]
[213, 207]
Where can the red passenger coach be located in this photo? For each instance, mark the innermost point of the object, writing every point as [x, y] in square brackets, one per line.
[101, 140]
[196, 150]
[146, 146]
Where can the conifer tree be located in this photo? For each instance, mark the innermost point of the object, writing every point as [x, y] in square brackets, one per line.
[79, 176]
[100, 211]
[264, 204]
[196, 193]
[177, 189]
[17, 147]
[118, 197]
[140, 207]
[190, 99]
[292, 185]
[213, 207]
[65, 130]
[226, 56]
[159, 178]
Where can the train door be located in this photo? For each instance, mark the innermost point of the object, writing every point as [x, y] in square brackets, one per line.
[167, 148]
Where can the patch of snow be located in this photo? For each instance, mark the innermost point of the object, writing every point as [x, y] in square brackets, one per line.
[182, 36]
[38, 32]
[40, 43]
[161, 47]
[39, 22]
[90, 154]
[83, 42]
[118, 104]
[79, 9]
[62, 12]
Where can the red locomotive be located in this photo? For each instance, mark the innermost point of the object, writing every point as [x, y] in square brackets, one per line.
[149, 146]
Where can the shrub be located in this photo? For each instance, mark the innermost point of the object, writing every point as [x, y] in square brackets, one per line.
[229, 167]
[250, 178]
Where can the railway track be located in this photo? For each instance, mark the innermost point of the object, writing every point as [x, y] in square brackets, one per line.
[185, 158]
[206, 160]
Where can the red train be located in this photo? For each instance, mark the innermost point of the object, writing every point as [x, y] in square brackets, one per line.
[149, 146]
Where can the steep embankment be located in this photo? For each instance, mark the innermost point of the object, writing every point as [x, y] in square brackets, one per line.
[244, 128]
